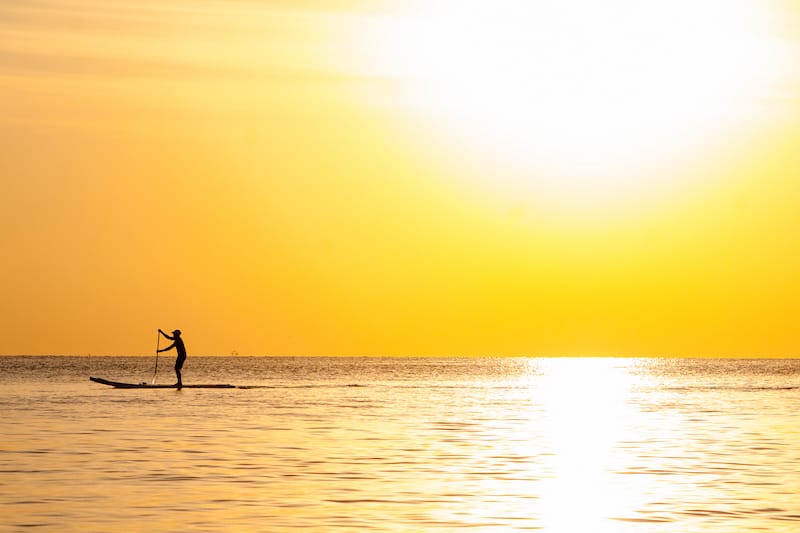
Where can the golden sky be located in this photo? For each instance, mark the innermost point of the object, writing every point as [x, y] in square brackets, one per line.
[375, 177]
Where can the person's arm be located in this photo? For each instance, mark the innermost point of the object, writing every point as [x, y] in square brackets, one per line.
[167, 336]
[171, 346]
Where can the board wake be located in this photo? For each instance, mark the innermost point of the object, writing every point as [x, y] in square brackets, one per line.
[120, 385]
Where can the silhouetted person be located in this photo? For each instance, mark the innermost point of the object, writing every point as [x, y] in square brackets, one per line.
[177, 343]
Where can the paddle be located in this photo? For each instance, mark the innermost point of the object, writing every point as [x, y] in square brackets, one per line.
[158, 341]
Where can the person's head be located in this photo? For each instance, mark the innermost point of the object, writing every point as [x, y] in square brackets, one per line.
[177, 333]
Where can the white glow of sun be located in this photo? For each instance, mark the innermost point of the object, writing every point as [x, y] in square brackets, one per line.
[581, 98]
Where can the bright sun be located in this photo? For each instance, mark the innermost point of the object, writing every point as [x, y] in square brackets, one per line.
[581, 99]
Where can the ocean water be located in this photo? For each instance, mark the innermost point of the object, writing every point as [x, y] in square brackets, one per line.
[418, 444]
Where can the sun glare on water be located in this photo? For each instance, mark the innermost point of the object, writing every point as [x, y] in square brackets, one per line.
[584, 100]
[587, 415]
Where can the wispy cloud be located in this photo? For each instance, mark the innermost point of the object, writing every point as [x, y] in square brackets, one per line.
[239, 40]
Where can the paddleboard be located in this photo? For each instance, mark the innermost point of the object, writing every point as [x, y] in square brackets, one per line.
[119, 385]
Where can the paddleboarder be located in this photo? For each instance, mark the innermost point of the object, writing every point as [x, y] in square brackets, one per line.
[177, 343]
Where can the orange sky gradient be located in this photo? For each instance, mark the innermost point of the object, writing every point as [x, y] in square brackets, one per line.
[324, 178]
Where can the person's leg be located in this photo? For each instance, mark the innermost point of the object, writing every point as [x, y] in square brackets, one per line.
[178, 366]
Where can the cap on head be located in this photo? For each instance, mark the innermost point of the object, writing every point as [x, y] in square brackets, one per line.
[176, 332]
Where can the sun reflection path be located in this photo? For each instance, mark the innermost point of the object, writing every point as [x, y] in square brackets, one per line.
[587, 413]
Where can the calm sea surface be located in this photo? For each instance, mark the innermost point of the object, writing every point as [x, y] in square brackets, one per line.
[330, 444]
